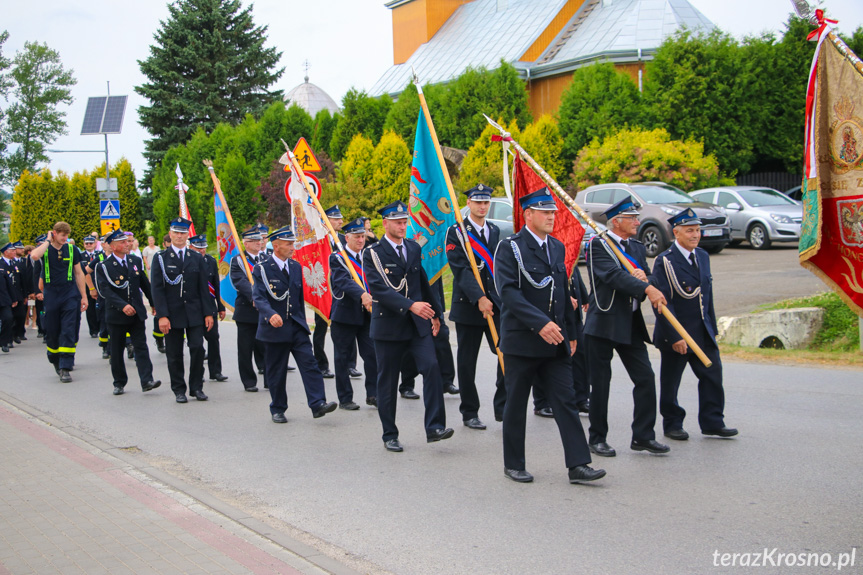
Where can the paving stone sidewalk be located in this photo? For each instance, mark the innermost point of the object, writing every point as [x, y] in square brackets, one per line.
[67, 506]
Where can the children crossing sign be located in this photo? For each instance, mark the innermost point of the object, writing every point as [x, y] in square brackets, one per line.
[109, 209]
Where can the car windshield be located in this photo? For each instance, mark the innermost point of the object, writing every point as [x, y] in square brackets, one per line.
[662, 195]
[765, 197]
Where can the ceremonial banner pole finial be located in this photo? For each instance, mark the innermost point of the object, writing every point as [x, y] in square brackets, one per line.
[456, 208]
[218, 187]
[506, 136]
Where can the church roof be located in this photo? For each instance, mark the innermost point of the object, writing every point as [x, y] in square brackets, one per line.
[311, 98]
[484, 32]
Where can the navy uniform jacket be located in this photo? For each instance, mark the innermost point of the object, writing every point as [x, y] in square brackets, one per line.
[292, 307]
[609, 279]
[25, 264]
[525, 310]
[213, 284]
[13, 272]
[696, 319]
[465, 289]
[5, 290]
[186, 303]
[244, 311]
[347, 303]
[391, 316]
[579, 292]
[109, 276]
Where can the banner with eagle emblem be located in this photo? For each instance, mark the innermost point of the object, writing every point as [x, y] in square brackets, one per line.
[831, 238]
[312, 248]
[429, 204]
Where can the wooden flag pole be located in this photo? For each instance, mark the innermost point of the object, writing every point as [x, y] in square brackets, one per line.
[602, 233]
[218, 185]
[332, 232]
[457, 210]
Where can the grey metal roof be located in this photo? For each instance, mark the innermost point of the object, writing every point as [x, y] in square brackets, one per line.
[478, 34]
[311, 98]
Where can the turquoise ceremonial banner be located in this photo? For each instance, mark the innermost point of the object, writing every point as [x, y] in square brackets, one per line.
[429, 205]
[228, 249]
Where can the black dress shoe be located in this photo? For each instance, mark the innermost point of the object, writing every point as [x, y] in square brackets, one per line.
[5, 349]
[94, 335]
[17, 340]
[410, 394]
[327, 374]
[290, 368]
[118, 390]
[544, 412]
[350, 406]
[677, 434]
[252, 389]
[581, 473]
[602, 449]
[161, 348]
[181, 398]
[324, 409]
[261, 372]
[150, 385]
[219, 377]
[474, 423]
[279, 417]
[200, 395]
[498, 417]
[64, 376]
[373, 401]
[583, 406]
[439, 434]
[393, 445]
[519, 475]
[105, 354]
[451, 389]
[722, 432]
[354, 373]
[650, 445]
[23, 338]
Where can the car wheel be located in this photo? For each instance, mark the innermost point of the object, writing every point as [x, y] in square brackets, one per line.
[653, 241]
[758, 238]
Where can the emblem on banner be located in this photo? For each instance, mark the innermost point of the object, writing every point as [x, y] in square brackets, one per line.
[850, 214]
[846, 138]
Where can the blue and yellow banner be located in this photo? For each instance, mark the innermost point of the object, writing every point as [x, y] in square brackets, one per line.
[429, 205]
[228, 249]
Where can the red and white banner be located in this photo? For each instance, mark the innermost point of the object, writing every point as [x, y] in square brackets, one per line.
[312, 248]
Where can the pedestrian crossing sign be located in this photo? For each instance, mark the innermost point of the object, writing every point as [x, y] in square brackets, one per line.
[109, 209]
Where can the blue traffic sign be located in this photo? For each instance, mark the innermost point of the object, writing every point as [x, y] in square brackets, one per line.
[109, 209]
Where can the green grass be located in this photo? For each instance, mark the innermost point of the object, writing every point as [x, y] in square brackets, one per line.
[840, 332]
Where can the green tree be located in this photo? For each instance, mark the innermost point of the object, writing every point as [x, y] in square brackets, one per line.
[391, 173]
[322, 134]
[599, 101]
[209, 64]
[546, 144]
[403, 115]
[5, 84]
[855, 41]
[40, 85]
[33, 205]
[361, 114]
[704, 87]
[484, 161]
[357, 160]
[639, 155]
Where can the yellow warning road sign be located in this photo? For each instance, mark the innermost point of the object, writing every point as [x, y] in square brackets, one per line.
[305, 158]
[109, 226]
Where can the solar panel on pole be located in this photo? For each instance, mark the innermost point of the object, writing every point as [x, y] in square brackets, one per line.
[93, 116]
[114, 112]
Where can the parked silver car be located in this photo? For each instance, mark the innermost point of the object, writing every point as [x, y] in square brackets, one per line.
[758, 215]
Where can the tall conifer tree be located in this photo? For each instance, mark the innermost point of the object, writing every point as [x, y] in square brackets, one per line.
[208, 65]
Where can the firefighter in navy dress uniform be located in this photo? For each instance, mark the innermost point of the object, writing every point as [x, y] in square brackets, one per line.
[182, 301]
[471, 303]
[25, 266]
[405, 316]
[214, 355]
[88, 255]
[39, 307]
[538, 337]
[682, 274]
[120, 280]
[6, 319]
[246, 317]
[278, 296]
[65, 297]
[97, 300]
[10, 266]
[351, 318]
[614, 324]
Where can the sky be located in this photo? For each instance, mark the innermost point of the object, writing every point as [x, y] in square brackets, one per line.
[348, 43]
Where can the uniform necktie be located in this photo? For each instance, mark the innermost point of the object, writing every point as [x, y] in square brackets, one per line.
[625, 245]
[482, 234]
[286, 273]
[399, 250]
[180, 253]
[692, 260]
[544, 247]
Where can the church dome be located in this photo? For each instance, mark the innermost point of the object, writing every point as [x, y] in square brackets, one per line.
[311, 98]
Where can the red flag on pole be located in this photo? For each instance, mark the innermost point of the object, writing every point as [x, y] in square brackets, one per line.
[567, 228]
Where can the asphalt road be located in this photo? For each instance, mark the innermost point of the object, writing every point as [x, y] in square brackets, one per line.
[790, 480]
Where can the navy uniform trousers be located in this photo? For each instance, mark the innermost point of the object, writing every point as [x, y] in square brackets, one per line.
[61, 322]
[193, 336]
[214, 354]
[711, 397]
[346, 339]
[138, 336]
[389, 357]
[276, 371]
[469, 338]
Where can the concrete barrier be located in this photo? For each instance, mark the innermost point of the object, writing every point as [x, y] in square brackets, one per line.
[782, 328]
